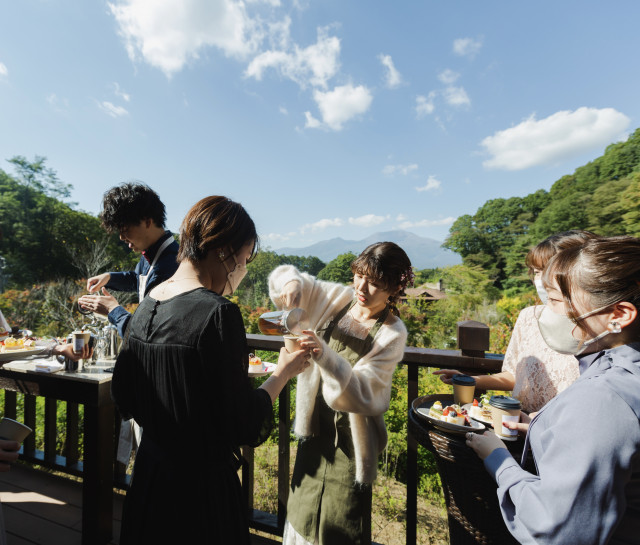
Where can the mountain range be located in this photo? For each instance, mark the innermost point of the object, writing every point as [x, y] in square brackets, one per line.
[424, 253]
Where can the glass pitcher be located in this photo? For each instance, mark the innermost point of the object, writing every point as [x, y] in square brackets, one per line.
[283, 322]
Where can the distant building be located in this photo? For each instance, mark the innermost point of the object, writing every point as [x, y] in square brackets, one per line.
[427, 292]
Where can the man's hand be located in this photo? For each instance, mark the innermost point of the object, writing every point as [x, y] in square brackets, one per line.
[100, 304]
[96, 282]
[66, 350]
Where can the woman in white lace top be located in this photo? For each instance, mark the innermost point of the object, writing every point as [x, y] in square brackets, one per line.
[531, 370]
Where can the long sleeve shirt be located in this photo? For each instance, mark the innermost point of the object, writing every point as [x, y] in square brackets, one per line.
[586, 446]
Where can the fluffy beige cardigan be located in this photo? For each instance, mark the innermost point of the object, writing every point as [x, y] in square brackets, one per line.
[363, 390]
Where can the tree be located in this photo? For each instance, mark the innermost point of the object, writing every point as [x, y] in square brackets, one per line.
[339, 269]
[38, 229]
[36, 176]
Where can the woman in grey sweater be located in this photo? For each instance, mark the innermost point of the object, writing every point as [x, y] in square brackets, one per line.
[585, 441]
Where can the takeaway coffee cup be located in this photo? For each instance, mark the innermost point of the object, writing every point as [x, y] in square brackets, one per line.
[13, 430]
[464, 387]
[504, 409]
[292, 343]
[80, 339]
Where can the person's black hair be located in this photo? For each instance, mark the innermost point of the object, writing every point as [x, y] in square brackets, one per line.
[128, 204]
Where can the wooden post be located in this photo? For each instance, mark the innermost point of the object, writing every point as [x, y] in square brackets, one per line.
[473, 338]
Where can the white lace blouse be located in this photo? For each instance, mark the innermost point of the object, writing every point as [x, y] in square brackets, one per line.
[540, 372]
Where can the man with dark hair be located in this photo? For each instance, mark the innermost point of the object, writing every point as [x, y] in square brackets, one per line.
[136, 212]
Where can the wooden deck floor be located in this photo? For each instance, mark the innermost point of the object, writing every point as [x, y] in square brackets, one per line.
[45, 509]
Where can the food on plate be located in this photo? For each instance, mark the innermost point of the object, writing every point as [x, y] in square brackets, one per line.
[436, 410]
[453, 414]
[255, 364]
[11, 344]
[480, 411]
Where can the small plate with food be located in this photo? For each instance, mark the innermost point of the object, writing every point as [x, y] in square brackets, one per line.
[479, 412]
[444, 415]
[259, 368]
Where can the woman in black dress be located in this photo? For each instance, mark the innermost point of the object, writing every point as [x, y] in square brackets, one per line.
[182, 375]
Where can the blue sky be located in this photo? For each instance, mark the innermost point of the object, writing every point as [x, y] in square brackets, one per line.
[324, 119]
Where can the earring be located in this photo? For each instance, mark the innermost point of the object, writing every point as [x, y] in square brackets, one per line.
[615, 327]
[221, 255]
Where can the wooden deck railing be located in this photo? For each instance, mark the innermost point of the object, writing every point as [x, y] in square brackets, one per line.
[470, 357]
[473, 340]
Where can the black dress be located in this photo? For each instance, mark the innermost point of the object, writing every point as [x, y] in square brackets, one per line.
[182, 375]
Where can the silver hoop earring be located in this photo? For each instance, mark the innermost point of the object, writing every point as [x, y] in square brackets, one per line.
[615, 327]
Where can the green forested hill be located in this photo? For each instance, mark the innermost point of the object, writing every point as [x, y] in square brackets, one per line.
[602, 196]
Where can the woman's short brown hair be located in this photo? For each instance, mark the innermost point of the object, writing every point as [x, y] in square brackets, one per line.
[388, 264]
[539, 255]
[215, 222]
[607, 269]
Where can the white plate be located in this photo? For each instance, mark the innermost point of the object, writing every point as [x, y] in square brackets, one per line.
[268, 369]
[447, 426]
[488, 421]
[11, 355]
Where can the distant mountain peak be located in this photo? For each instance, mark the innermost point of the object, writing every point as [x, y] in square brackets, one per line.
[424, 253]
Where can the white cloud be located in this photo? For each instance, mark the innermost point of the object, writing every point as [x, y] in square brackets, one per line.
[322, 224]
[272, 3]
[467, 47]
[120, 93]
[311, 122]
[58, 104]
[168, 33]
[314, 65]
[390, 170]
[4, 71]
[401, 217]
[112, 109]
[424, 105]
[448, 77]
[427, 223]
[431, 185]
[558, 137]
[277, 238]
[340, 105]
[456, 96]
[368, 220]
[393, 78]
[283, 110]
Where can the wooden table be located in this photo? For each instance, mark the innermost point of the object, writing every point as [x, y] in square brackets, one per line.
[470, 493]
[92, 389]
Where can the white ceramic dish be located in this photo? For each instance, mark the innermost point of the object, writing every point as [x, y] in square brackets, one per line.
[12, 355]
[268, 369]
[487, 421]
[476, 427]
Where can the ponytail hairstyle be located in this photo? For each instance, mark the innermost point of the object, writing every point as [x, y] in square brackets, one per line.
[539, 255]
[606, 269]
[387, 263]
[215, 222]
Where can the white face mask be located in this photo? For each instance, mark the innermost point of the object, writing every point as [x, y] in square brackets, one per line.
[542, 293]
[557, 331]
[234, 277]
